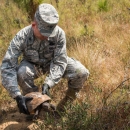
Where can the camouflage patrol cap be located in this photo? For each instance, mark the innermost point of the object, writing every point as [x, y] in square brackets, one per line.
[47, 18]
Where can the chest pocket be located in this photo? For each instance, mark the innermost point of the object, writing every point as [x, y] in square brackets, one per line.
[32, 56]
[31, 50]
[47, 50]
[41, 54]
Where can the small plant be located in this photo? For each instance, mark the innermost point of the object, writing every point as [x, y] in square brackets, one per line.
[103, 5]
[75, 117]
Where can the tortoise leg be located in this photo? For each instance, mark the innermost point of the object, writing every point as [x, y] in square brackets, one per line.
[53, 107]
[38, 109]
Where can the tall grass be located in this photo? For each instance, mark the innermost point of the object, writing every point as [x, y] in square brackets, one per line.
[11, 20]
[28, 6]
[98, 36]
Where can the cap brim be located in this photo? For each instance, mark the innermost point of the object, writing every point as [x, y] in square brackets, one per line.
[47, 33]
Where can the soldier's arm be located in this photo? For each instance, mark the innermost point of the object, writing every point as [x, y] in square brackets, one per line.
[9, 65]
[59, 63]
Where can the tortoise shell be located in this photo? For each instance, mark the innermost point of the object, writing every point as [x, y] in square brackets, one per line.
[37, 100]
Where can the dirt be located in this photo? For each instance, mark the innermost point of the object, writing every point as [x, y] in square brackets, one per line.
[15, 121]
[11, 119]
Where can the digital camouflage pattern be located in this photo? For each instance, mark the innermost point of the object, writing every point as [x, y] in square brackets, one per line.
[51, 52]
[46, 56]
[47, 18]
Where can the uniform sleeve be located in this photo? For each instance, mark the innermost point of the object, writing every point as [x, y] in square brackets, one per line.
[59, 63]
[9, 65]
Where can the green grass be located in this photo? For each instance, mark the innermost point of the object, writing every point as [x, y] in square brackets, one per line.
[103, 5]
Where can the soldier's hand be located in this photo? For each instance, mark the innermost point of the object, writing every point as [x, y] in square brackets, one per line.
[21, 103]
[45, 89]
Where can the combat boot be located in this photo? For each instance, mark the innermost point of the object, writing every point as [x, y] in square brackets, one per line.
[71, 95]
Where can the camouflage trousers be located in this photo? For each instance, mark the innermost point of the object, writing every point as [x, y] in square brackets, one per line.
[75, 73]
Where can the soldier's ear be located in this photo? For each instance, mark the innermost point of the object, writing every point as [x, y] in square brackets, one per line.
[33, 24]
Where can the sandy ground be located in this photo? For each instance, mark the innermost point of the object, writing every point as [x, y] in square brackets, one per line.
[15, 121]
[11, 119]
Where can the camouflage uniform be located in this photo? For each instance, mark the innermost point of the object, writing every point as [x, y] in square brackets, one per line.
[48, 56]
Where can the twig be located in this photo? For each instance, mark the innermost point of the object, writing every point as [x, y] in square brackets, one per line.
[115, 89]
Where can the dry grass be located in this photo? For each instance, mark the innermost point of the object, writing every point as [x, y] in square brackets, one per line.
[12, 19]
[100, 40]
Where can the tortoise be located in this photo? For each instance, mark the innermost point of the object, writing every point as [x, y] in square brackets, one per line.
[39, 102]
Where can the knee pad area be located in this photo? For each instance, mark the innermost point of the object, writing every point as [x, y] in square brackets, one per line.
[25, 71]
[21, 71]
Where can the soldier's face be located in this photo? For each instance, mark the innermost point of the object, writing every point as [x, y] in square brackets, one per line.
[36, 32]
